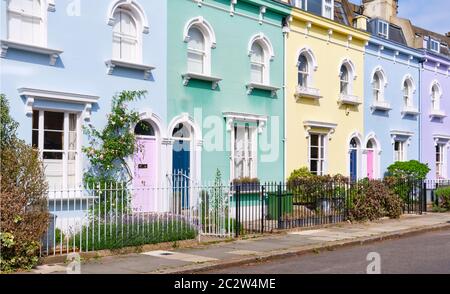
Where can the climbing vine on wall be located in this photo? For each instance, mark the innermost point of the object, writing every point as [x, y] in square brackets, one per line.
[110, 147]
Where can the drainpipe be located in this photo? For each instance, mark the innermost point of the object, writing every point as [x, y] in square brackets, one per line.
[421, 68]
[285, 34]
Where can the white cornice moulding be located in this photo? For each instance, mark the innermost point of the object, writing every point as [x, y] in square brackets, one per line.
[112, 64]
[310, 124]
[33, 94]
[52, 53]
[231, 117]
[398, 133]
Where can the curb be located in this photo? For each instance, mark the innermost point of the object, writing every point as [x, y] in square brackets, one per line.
[274, 255]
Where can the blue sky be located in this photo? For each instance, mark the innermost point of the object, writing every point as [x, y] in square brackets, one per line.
[433, 15]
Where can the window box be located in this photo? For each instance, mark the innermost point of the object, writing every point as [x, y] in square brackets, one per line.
[349, 99]
[112, 64]
[201, 77]
[380, 106]
[307, 92]
[272, 89]
[439, 114]
[410, 110]
[52, 53]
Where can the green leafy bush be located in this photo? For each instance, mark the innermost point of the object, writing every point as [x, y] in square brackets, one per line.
[412, 169]
[23, 210]
[443, 195]
[373, 200]
[139, 232]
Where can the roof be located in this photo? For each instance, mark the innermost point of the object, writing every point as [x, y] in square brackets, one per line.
[445, 40]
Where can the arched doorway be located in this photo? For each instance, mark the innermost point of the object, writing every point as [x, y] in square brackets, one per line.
[182, 136]
[145, 167]
[353, 151]
[370, 153]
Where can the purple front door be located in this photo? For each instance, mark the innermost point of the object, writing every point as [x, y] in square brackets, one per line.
[144, 180]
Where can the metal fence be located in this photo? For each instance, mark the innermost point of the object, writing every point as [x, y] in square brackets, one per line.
[431, 186]
[115, 215]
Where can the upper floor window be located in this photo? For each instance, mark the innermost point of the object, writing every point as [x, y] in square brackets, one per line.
[407, 93]
[261, 53]
[200, 39]
[125, 37]
[328, 9]
[303, 71]
[434, 45]
[129, 22]
[299, 3]
[436, 97]
[383, 29]
[345, 80]
[378, 84]
[27, 22]
[196, 51]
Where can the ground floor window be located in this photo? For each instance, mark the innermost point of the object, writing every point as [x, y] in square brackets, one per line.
[317, 153]
[245, 153]
[440, 161]
[55, 135]
[399, 151]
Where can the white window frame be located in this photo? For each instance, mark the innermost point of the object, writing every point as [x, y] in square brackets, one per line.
[441, 165]
[344, 81]
[408, 93]
[250, 152]
[268, 52]
[261, 65]
[436, 97]
[321, 161]
[435, 43]
[65, 151]
[401, 153]
[306, 74]
[383, 29]
[204, 54]
[122, 37]
[46, 5]
[329, 5]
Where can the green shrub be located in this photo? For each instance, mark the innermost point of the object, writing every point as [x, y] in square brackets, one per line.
[141, 232]
[443, 195]
[23, 189]
[412, 169]
[373, 200]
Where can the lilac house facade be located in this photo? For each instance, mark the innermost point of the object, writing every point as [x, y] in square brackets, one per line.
[435, 111]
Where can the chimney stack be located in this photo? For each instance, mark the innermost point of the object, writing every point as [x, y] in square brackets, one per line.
[383, 9]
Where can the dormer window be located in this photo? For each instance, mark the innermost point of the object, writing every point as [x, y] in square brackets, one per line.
[434, 45]
[299, 4]
[328, 9]
[383, 29]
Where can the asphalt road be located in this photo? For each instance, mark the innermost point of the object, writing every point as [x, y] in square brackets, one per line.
[428, 253]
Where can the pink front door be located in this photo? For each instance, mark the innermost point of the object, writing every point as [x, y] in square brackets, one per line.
[144, 178]
[370, 164]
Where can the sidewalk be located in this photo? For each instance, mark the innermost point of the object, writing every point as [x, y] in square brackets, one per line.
[223, 254]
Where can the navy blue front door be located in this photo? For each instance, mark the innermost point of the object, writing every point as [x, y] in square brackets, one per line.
[353, 166]
[181, 161]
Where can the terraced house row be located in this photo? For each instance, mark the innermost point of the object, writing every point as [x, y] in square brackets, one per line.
[254, 88]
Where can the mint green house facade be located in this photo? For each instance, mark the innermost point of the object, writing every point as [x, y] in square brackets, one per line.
[225, 89]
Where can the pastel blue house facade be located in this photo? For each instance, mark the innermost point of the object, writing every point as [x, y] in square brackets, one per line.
[62, 62]
[392, 107]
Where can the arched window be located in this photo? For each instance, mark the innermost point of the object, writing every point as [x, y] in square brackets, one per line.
[345, 80]
[407, 93]
[376, 87]
[370, 144]
[27, 21]
[303, 71]
[196, 51]
[258, 64]
[125, 36]
[436, 97]
[144, 128]
[182, 132]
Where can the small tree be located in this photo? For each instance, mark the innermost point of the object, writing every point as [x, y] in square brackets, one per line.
[23, 195]
[412, 169]
[109, 148]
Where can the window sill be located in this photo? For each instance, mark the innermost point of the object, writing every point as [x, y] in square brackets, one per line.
[272, 89]
[201, 77]
[410, 111]
[307, 92]
[113, 63]
[349, 100]
[381, 106]
[52, 53]
[437, 114]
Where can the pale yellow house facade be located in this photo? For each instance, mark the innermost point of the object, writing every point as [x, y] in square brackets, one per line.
[324, 94]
